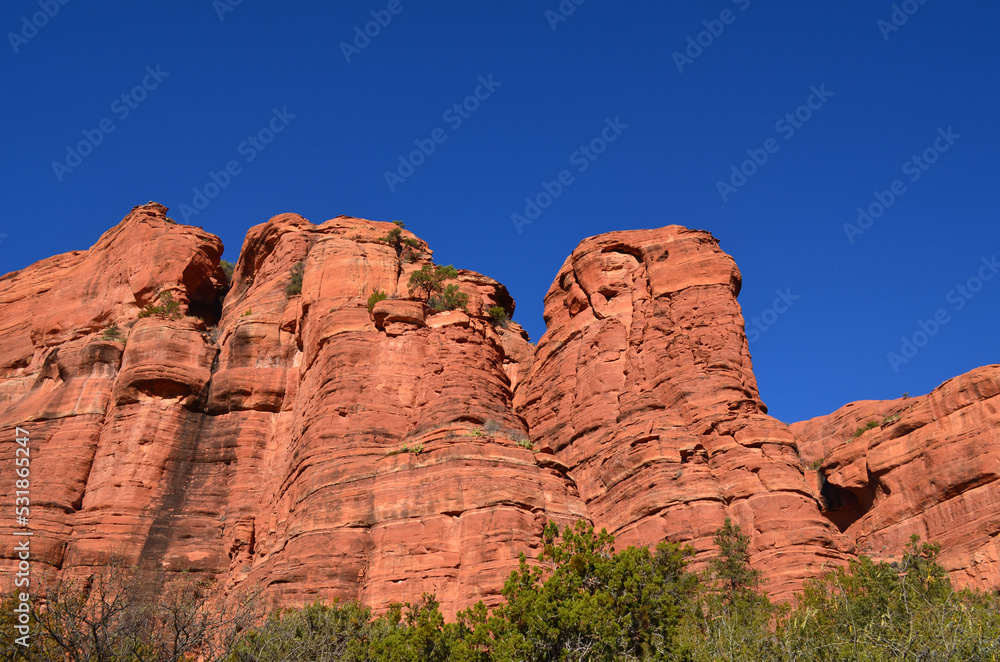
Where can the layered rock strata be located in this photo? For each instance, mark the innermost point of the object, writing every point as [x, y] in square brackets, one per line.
[304, 440]
[926, 466]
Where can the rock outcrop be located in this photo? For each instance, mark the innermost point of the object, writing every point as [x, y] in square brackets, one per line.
[300, 438]
[297, 439]
[642, 386]
[927, 466]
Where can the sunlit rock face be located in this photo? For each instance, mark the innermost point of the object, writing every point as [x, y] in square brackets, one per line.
[298, 439]
[930, 467]
[642, 386]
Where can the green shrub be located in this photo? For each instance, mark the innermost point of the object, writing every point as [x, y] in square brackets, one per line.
[864, 428]
[247, 313]
[889, 420]
[295, 275]
[906, 610]
[169, 308]
[582, 601]
[113, 333]
[404, 246]
[526, 443]
[416, 449]
[326, 632]
[586, 602]
[451, 299]
[429, 279]
[376, 296]
[227, 269]
[498, 316]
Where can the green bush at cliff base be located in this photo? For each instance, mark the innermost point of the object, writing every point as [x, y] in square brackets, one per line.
[578, 601]
[582, 601]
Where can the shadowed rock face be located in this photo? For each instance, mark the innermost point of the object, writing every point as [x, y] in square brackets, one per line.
[328, 451]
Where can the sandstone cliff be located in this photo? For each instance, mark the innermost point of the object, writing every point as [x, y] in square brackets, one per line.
[930, 467]
[324, 450]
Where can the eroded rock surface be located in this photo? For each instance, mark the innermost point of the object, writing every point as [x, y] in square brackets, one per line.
[930, 466]
[643, 387]
[300, 440]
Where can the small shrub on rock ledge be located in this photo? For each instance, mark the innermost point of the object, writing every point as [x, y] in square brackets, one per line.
[296, 273]
[416, 449]
[113, 333]
[865, 428]
[429, 280]
[376, 296]
[451, 299]
[889, 420]
[498, 317]
[404, 246]
[169, 308]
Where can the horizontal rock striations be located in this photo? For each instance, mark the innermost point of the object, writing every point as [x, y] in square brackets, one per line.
[280, 429]
[642, 387]
[927, 465]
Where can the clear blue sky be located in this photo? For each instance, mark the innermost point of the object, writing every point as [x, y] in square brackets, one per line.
[681, 126]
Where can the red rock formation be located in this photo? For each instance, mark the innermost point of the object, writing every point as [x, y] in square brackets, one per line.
[931, 468]
[303, 441]
[642, 387]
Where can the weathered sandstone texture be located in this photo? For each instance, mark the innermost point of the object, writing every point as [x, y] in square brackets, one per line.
[642, 387]
[931, 468]
[301, 441]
